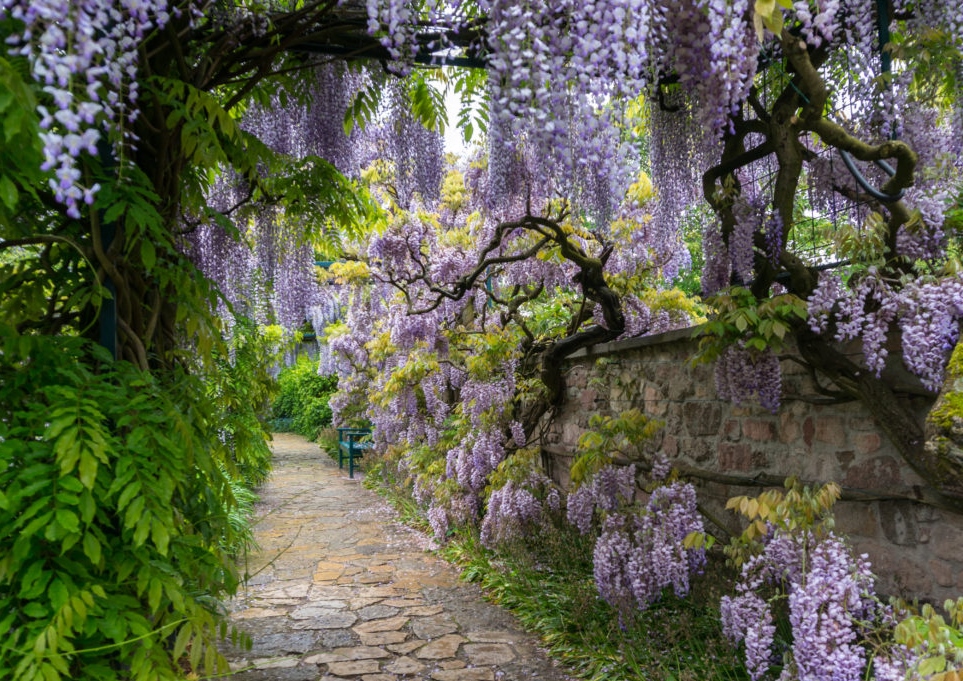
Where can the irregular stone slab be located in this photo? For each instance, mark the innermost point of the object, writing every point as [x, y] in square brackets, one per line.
[377, 612]
[381, 638]
[353, 668]
[361, 653]
[358, 603]
[433, 627]
[330, 619]
[276, 662]
[491, 636]
[403, 602]
[464, 675]
[383, 591]
[308, 611]
[326, 592]
[381, 568]
[286, 591]
[379, 677]
[405, 665]
[446, 646]
[278, 601]
[388, 624]
[326, 575]
[284, 643]
[324, 658]
[329, 565]
[256, 613]
[425, 610]
[406, 647]
[482, 654]
[335, 638]
[451, 664]
[370, 578]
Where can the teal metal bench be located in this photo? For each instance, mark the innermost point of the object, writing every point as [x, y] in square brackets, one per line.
[352, 442]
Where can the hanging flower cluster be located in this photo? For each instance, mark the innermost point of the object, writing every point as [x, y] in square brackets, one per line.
[828, 592]
[515, 509]
[85, 55]
[927, 312]
[639, 551]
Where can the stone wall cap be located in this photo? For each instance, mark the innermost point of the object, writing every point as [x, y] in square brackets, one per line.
[612, 347]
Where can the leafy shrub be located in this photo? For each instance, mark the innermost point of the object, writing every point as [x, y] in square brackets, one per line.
[242, 388]
[303, 397]
[114, 508]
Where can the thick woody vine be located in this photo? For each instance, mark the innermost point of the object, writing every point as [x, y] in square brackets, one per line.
[798, 110]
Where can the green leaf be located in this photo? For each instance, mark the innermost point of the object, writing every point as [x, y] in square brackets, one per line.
[148, 255]
[8, 192]
[154, 593]
[35, 609]
[160, 535]
[131, 491]
[68, 520]
[88, 469]
[58, 594]
[180, 643]
[931, 665]
[92, 548]
[142, 530]
[114, 212]
[87, 507]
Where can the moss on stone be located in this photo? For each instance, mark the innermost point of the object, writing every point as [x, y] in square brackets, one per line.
[948, 410]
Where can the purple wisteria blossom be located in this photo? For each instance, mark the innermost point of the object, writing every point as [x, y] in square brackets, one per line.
[85, 55]
[828, 593]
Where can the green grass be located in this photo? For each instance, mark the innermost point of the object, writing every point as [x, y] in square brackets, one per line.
[678, 639]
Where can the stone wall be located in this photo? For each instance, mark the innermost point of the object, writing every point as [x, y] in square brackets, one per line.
[916, 549]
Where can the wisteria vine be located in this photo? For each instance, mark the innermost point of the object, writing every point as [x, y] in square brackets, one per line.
[85, 55]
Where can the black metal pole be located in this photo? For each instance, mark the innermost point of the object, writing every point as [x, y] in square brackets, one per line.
[107, 321]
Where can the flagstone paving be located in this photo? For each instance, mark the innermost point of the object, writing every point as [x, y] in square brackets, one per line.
[340, 591]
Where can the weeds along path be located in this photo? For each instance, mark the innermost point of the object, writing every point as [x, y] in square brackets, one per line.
[340, 590]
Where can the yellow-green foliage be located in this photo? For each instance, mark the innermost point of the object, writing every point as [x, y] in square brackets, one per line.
[612, 437]
[347, 272]
[454, 194]
[516, 468]
[938, 643]
[763, 325]
[798, 509]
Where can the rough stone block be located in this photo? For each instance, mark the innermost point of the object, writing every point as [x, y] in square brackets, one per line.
[943, 573]
[759, 430]
[702, 418]
[735, 457]
[898, 523]
[856, 519]
[877, 473]
[946, 542]
[866, 443]
[830, 430]
[790, 430]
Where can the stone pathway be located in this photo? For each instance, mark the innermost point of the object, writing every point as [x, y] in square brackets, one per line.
[341, 591]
